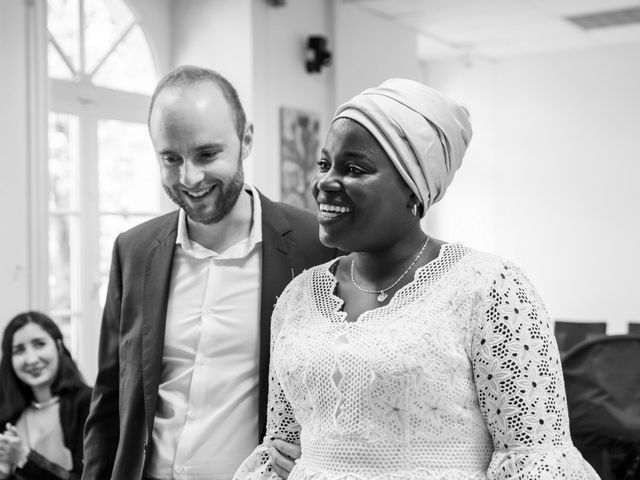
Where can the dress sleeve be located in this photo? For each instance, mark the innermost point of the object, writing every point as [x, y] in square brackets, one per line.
[281, 423]
[519, 383]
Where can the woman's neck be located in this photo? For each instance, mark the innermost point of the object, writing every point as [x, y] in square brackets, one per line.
[42, 394]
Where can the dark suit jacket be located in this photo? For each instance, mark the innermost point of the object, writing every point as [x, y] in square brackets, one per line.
[120, 424]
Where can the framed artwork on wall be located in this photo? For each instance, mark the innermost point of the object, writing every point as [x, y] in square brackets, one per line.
[299, 151]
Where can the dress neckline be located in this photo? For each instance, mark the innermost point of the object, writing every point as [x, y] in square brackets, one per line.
[338, 315]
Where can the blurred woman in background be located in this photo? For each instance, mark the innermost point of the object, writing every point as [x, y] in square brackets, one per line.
[44, 402]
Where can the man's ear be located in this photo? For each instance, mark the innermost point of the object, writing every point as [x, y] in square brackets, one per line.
[246, 140]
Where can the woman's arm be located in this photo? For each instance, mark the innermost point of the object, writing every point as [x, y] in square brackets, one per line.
[272, 459]
[519, 384]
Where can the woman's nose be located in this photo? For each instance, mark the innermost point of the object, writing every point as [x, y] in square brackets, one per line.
[327, 181]
[30, 355]
[190, 174]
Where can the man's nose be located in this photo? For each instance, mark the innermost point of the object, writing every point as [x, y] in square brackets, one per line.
[190, 174]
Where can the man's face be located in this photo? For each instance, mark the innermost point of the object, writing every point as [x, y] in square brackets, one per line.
[198, 150]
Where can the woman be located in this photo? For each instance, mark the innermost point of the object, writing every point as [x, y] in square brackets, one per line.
[410, 358]
[44, 402]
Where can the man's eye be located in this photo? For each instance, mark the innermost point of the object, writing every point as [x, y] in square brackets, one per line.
[170, 159]
[208, 155]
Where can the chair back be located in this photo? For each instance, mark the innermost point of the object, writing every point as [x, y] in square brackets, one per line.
[602, 380]
[570, 333]
[633, 327]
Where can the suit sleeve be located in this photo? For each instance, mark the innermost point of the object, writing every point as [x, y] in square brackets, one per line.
[103, 425]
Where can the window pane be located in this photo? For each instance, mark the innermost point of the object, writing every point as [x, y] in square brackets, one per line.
[57, 68]
[67, 324]
[127, 170]
[130, 66]
[63, 160]
[62, 239]
[110, 227]
[63, 21]
[105, 21]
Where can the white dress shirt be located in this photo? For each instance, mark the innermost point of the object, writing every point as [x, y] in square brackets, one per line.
[206, 419]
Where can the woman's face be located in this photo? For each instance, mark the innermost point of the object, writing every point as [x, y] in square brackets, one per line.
[34, 356]
[362, 200]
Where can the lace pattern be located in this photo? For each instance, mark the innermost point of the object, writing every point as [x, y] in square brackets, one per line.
[457, 377]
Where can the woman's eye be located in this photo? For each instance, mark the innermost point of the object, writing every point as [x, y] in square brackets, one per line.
[17, 351]
[353, 170]
[323, 165]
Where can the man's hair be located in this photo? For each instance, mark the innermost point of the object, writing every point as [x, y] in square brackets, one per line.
[187, 76]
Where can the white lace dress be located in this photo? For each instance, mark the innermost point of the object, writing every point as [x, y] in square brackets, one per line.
[458, 377]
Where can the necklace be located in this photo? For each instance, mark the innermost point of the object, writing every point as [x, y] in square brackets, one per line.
[382, 294]
[45, 404]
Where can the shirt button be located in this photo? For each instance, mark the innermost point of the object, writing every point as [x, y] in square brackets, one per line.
[202, 360]
[192, 415]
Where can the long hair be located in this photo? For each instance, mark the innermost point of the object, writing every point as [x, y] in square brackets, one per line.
[15, 395]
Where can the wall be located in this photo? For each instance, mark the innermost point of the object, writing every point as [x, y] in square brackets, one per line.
[562, 180]
[14, 194]
[281, 80]
[370, 49]
[215, 34]
[155, 22]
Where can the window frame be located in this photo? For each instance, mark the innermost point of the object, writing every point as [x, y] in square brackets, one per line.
[90, 104]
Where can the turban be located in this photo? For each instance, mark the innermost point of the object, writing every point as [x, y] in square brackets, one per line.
[423, 132]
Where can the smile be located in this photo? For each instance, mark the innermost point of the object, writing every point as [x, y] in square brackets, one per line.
[198, 193]
[331, 213]
[34, 372]
[333, 210]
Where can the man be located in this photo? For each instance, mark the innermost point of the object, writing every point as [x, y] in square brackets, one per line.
[182, 385]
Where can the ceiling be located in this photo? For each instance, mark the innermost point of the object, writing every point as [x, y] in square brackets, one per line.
[497, 29]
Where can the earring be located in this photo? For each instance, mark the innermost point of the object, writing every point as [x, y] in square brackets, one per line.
[414, 209]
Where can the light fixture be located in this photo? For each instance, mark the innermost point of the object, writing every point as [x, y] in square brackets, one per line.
[317, 54]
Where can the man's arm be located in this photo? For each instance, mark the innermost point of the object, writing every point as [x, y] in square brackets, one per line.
[103, 423]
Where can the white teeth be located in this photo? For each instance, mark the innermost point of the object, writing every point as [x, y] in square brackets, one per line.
[199, 193]
[333, 208]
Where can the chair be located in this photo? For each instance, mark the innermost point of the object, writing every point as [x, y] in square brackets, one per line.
[602, 380]
[570, 333]
[633, 327]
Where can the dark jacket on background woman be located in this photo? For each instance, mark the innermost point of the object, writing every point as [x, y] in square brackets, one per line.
[74, 408]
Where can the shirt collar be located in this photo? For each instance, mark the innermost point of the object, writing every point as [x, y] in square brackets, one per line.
[240, 249]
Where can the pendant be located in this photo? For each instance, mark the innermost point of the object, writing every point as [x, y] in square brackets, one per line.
[382, 296]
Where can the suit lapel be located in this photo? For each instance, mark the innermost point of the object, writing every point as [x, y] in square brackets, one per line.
[278, 253]
[157, 280]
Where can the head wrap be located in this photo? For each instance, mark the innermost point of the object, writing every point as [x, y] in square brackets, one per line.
[424, 133]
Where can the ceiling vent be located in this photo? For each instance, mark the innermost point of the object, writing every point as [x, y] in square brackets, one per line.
[610, 18]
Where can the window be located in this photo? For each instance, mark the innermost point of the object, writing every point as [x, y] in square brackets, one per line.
[101, 166]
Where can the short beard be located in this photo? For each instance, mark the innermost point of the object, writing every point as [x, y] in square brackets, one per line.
[225, 202]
